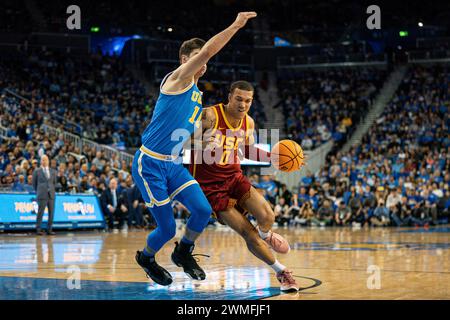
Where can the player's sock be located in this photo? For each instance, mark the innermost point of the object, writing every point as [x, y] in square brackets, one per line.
[190, 236]
[148, 252]
[186, 241]
[277, 266]
[186, 246]
[263, 234]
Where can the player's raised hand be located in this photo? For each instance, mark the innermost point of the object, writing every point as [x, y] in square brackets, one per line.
[187, 70]
[243, 17]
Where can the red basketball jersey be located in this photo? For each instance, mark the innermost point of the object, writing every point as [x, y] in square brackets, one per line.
[224, 161]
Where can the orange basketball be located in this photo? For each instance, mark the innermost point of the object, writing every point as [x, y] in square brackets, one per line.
[287, 156]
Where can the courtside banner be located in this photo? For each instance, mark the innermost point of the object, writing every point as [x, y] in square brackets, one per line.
[19, 211]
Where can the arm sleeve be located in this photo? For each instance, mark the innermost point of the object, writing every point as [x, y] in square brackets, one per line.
[256, 154]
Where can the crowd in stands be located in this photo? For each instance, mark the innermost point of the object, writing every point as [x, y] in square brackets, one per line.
[95, 97]
[323, 105]
[78, 171]
[317, 205]
[399, 175]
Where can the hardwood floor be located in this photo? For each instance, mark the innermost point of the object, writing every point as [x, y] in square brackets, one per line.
[333, 263]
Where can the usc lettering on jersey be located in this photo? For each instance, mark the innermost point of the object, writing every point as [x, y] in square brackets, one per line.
[224, 161]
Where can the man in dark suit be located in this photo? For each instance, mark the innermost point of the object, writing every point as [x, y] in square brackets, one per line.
[113, 205]
[132, 199]
[44, 181]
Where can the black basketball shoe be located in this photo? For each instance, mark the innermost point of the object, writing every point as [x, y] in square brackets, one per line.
[182, 256]
[154, 271]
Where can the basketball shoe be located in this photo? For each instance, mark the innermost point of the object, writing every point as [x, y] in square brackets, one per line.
[277, 242]
[182, 256]
[154, 271]
[287, 281]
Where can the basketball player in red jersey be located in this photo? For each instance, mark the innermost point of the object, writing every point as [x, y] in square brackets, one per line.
[228, 129]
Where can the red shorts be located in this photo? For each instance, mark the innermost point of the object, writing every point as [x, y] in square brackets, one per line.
[232, 191]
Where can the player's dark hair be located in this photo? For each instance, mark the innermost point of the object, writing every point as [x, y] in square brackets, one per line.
[241, 85]
[190, 45]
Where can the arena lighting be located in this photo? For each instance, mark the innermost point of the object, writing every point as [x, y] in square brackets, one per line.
[403, 33]
[420, 24]
[170, 29]
[113, 45]
[280, 42]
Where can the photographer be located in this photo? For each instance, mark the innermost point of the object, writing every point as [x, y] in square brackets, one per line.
[325, 215]
[393, 201]
[380, 215]
[281, 211]
[421, 216]
[343, 215]
[305, 216]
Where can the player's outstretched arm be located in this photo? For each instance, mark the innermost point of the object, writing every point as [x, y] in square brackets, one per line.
[254, 153]
[212, 47]
[250, 131]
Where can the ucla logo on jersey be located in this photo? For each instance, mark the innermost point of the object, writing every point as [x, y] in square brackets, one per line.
[196, 97]
[196, 116]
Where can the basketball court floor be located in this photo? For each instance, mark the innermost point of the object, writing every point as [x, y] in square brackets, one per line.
[332, 263]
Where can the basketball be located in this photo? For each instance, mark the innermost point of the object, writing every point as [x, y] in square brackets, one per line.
[287, 156]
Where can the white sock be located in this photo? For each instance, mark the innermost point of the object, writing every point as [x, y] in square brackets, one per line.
[262, 234]
[277, 266]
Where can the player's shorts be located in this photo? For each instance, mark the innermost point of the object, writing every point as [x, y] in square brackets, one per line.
[158, 178]
[228, 193]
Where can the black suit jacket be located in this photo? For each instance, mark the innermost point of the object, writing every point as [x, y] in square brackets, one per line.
[45, 188]
[130, 195]
[107, 199]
